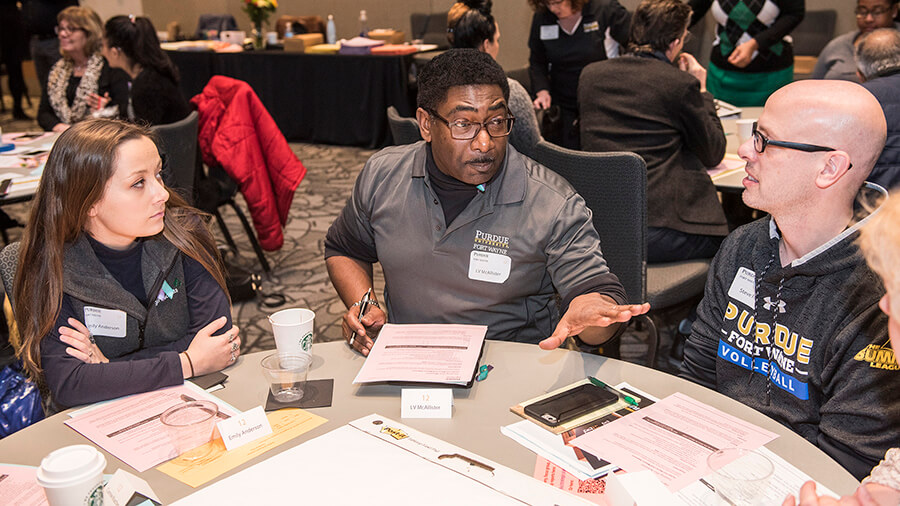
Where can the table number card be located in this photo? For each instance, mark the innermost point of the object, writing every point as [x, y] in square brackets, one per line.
[426, 403]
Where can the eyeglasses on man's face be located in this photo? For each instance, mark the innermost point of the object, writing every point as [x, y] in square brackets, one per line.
[464, 130]
[760, 142]
[862, 12]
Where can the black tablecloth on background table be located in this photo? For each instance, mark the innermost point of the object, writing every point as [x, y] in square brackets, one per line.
[331, 99]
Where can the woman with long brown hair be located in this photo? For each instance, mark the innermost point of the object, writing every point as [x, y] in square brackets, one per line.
[119, 288]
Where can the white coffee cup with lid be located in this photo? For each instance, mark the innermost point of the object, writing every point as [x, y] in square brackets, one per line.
[73, 476]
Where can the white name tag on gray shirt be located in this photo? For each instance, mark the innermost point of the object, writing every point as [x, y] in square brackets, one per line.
[743, 288]
[105, 322]
[549, 32]
[490, 267]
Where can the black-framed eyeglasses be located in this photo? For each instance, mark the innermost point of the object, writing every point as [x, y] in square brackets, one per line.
[862, 12]
[760, 142]
[463, 130]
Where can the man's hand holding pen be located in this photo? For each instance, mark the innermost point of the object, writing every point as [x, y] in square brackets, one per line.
[361, 323]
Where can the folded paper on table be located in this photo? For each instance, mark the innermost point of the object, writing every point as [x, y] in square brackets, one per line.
[672, 438]
[593, 490]
[423, 469]
[130, 429]
[286, 424]
[428, 353]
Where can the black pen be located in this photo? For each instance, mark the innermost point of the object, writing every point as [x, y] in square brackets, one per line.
[363, 305]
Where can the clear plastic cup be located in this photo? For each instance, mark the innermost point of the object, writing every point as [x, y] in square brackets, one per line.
[286, 375]
[190, 426]
[740, 476]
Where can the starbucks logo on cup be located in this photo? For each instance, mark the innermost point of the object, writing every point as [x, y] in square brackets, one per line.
[306, 341]
[96, 497]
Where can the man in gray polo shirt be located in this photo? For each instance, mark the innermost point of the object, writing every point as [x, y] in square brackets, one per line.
[469, 231]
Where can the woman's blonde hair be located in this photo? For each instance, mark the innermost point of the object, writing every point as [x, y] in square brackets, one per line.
[880, 244]
[84, 18]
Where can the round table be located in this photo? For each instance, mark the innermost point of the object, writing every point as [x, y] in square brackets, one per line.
[521, 372]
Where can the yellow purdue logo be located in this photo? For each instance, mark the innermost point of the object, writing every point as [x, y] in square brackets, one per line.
[880, 357]
[395, 433]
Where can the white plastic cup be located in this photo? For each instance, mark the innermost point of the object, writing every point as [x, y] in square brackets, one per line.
[272, 38]
[286, 375]
[745, 129]
[73, 476]
[293, 330]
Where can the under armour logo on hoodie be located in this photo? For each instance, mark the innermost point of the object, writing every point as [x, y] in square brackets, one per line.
[770, 306]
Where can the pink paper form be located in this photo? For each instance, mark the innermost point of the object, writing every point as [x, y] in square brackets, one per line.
[129, 428]
[672, 438]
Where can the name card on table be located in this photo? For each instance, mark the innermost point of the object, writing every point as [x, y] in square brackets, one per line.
[426, 403]
[126, 489]
[241, 429]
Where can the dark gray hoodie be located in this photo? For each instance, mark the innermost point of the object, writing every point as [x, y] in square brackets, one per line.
[821, 362]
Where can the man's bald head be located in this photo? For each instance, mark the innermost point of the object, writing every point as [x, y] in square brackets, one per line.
[838, 114]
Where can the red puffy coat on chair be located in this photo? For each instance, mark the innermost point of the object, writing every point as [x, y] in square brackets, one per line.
[238, 134]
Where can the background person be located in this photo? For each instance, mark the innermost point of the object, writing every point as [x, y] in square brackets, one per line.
[751, 58]
[40, 23]
[653, 101]
[878, 62]
[790, 310]
[130, 44]
[81, 74]
[836, 60]
[108, 244]
[12, 52]
[565, 36]
[470, 24]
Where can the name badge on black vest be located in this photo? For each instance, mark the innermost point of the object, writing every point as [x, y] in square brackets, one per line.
[105, 322]
[549, 32]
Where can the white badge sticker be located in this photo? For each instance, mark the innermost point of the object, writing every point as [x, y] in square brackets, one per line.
[549, 32]
[105, 322]
[426, 402]
[490, 267]
[593, 26]
[743, 288]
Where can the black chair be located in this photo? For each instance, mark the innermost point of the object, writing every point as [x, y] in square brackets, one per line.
[522, 75]
[9, 260]
[614, 186]
[178, 142]
[814, 32]
[430, 28]
[403, 130]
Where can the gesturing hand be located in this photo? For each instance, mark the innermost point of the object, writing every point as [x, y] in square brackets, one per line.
[543, 100]
[81, 343]
[591, 310]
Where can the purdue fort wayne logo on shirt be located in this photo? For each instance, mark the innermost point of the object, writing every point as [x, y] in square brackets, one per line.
[167, 291]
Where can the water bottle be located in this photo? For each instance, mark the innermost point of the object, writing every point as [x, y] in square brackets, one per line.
[330, 35]
[363, 24]
[289, 31]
